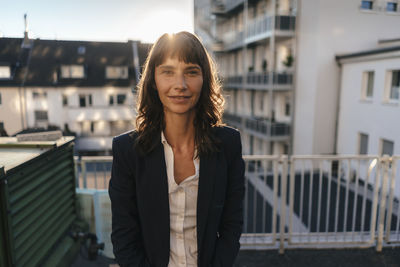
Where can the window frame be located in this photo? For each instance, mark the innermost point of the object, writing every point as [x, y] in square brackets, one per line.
[388, 87]
[382, 145]
[70, 71]
[117, 72]
[6, 67]
[365, 82]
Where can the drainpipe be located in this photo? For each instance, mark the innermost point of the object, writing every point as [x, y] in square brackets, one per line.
[337, 107]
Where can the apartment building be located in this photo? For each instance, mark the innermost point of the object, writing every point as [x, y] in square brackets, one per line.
[83, 87]
[370, 85]
[277, 62]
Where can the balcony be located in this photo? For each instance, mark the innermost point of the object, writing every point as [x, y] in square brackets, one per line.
[224, 7]
[261, 28]
[260, 128]
[329, 205]
[281, 81]
[233, 40]
[309, 202]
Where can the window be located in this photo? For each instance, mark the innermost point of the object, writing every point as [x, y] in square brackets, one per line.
[111, 101]
[392, 85]
[64, 100]
[1, 125]
[391, 7]
[119, 72]
[367, 5]
[387, 147]
[367, 85]
[81, 50]
[121, 99]
[92, 127]
[85, 100]
[362, 144]
[5, 72]
[72, 71]
[38, 94]
[41, 115]
[0, 98]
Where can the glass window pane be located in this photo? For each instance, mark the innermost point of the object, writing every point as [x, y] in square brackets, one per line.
[387, 147]
[121, 99]
[82, 101]
[363, 146]
[395, 88]
[370, 84]
[366, 5]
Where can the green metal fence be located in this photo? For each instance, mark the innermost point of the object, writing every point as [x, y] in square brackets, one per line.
[38, 206]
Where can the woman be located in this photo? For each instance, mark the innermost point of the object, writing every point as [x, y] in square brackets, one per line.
[177, 182]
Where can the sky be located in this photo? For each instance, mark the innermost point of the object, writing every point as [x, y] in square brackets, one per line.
[97, 20]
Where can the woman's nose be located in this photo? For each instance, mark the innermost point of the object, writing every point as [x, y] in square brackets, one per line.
[180, 82]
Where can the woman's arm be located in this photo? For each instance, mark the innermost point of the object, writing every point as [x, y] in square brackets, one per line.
[126, 231]
[230, 229]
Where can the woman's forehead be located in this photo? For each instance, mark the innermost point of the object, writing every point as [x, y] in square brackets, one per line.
[170, 59]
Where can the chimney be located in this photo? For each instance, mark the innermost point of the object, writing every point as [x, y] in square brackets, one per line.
[26, 42]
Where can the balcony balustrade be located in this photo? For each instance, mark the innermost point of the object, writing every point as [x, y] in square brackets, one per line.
[317, 201]
[260, 126]
[260, 81]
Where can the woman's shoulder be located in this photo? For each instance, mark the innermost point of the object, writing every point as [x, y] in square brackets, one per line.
[125, 140]
[226, 133]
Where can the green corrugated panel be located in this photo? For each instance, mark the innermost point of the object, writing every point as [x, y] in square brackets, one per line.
[5, 260]
[41, 198]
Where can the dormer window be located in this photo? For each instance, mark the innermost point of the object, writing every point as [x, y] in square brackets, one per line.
[5, 72]
[81, 50]
[72, 71]
[116, 72]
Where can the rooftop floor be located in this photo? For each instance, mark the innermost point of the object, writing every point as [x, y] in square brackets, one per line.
[308, 258]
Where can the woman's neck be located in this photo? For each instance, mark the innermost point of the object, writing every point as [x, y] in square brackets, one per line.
[179, 130]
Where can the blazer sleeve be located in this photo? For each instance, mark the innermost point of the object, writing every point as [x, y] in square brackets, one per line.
[230, 229]
[126, 234]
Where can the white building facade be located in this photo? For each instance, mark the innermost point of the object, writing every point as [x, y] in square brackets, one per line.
[295, 42]
[369, 109]
[82, 88]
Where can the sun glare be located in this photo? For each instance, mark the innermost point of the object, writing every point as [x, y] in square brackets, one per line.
[163, 21]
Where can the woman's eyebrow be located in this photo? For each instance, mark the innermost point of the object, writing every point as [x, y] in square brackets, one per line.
[193, 67]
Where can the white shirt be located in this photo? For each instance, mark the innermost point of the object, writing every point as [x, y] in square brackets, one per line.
[182, 207]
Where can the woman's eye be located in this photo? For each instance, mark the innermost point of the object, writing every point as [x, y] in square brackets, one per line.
[193, 72]
[168, 72]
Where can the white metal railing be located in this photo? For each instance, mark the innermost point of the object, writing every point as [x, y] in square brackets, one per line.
[305, 201]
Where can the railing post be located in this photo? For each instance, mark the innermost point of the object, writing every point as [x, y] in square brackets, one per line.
[284, 161]
[382, 205]
[76, 162]
[83, 170]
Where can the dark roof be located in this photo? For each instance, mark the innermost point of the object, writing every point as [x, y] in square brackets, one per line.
[368, 52]
[47, 56]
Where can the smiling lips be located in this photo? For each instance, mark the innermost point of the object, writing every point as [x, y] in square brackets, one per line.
[179, 99]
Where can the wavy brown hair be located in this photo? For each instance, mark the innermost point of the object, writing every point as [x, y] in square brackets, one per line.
[209, 108]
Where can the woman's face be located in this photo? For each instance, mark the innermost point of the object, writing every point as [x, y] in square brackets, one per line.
[179, 85]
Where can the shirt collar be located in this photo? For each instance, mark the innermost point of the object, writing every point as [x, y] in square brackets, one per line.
[163, 140]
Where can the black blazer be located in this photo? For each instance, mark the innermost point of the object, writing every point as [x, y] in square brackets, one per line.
[138, 191]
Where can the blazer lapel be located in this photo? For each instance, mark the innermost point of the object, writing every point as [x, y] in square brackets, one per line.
[156, 198]
[205, 193]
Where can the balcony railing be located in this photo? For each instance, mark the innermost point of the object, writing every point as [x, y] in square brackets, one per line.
[308, 201]
[255, 80]
[260, 126]
[263, 24]
[222, 7]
